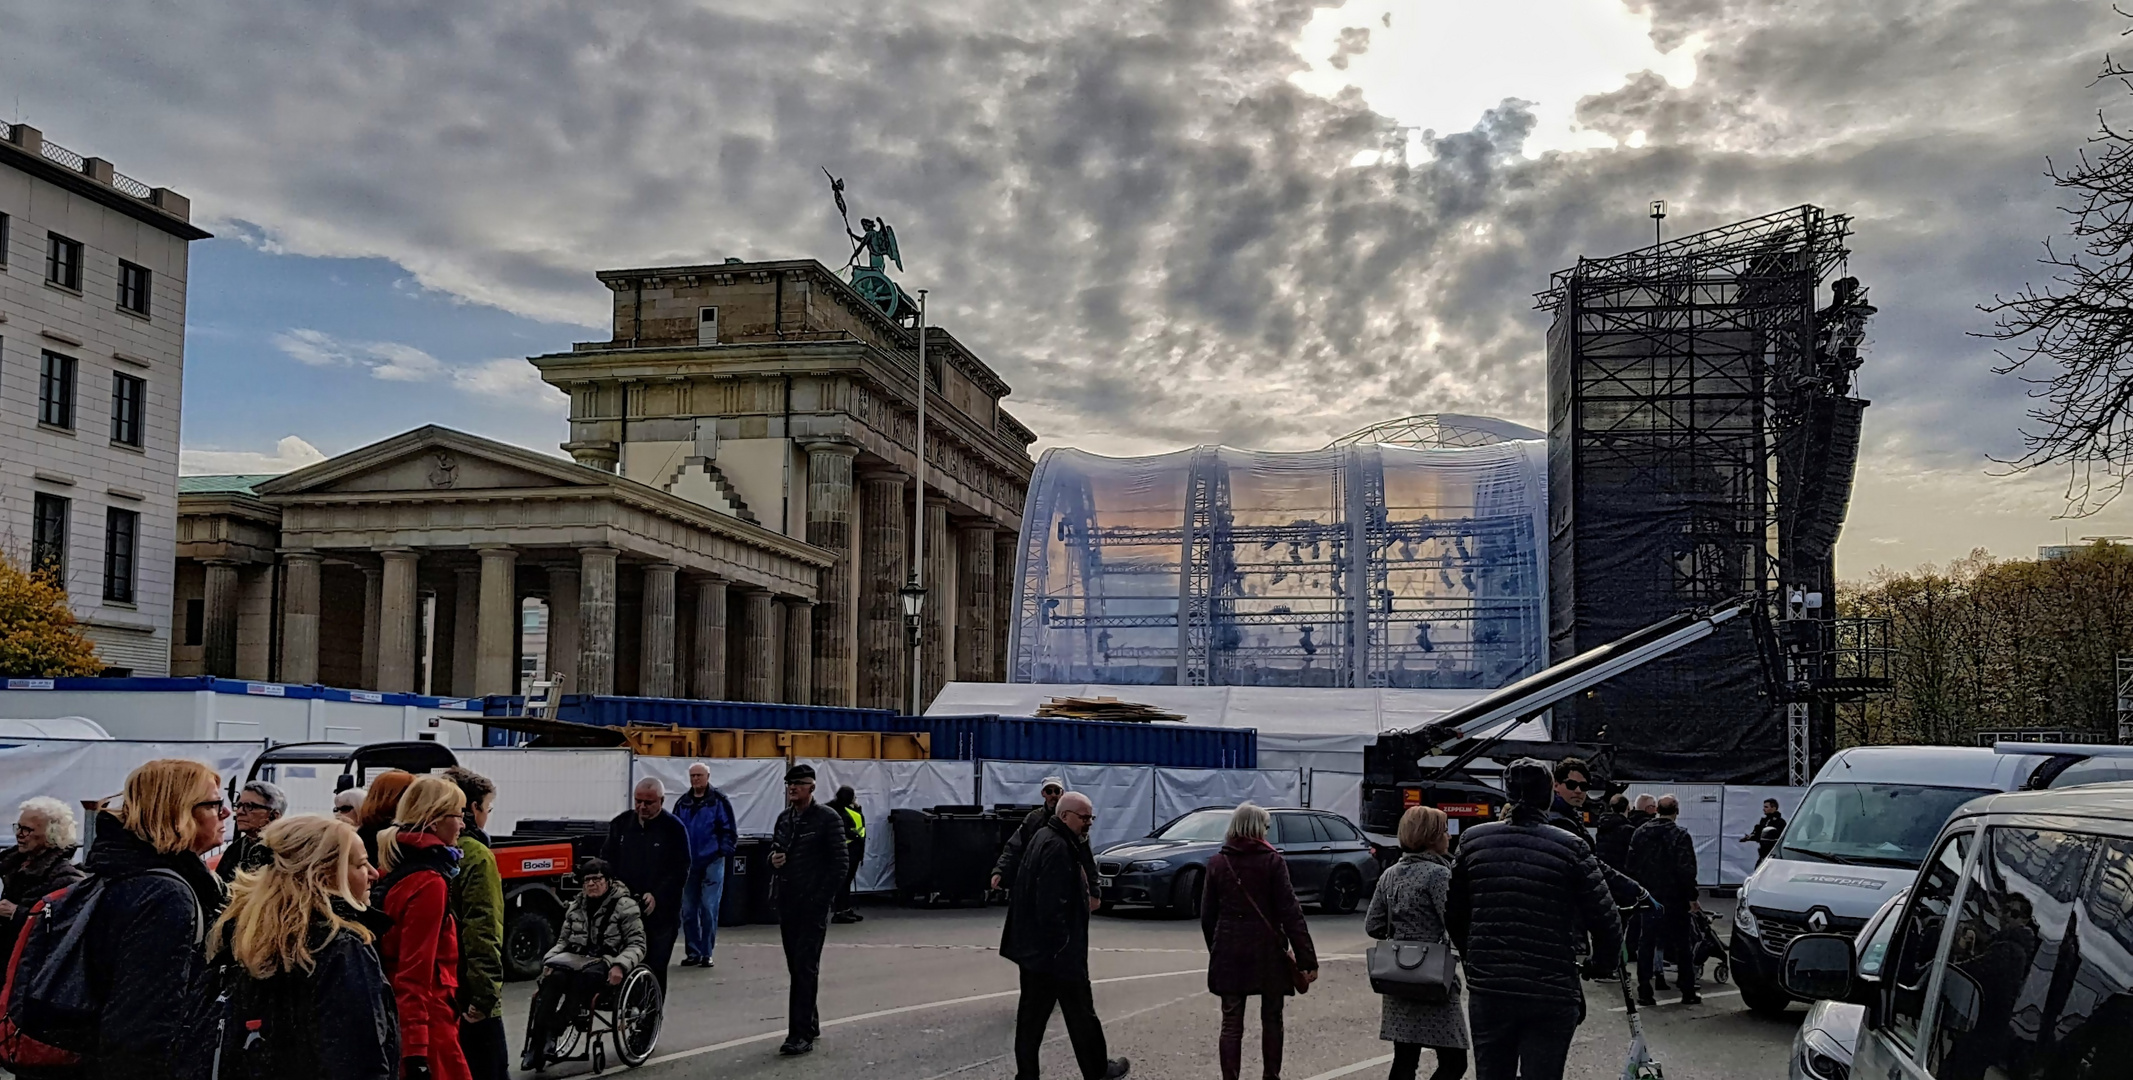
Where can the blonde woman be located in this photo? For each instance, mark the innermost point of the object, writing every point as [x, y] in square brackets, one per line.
[145, 938]
[1409, 906]
[297, 959]
[419, 856]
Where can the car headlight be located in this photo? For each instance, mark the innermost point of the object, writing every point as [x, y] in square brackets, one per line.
[1821, 1057]
[1148, 866]
[1744, 921]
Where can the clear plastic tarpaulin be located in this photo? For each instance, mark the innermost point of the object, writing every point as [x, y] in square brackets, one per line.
[1362, 566]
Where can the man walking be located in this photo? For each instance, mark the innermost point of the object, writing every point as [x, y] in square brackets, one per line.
[707, 816]
[476, 901]
[1047, 936]
[1003, 871]
[647, 849]
[1523, 894]
[1764, 836]
[808, 854]
[1613, 831]
[1662, 857]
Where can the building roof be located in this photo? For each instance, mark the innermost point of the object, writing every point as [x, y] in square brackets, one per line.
[227, 484]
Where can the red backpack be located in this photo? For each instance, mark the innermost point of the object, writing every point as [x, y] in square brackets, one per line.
[48, 1009]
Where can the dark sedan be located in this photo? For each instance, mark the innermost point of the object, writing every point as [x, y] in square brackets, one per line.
[1329, 861]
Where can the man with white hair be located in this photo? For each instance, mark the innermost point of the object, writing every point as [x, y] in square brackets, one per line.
[1047, 936]
[647, 850]
[713, 838]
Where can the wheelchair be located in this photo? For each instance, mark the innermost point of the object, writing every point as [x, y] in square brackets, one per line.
[629, 1014]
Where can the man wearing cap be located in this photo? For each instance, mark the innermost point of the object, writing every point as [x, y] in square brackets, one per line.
[1523, 894]
[808, 855]
[1003, 871]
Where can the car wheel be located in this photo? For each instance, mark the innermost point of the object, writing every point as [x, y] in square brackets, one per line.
[1344, 890]
[1761, 997]
[527, 936]
[1185, 892]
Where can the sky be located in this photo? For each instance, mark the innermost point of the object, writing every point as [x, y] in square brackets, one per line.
[1165, 222]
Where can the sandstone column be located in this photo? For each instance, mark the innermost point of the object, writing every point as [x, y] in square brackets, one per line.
[300, 617]
[798, 633]
[758, 651]
[655, 666]
[1006, 573]
[563, 626]
[884, 662]
[939, 614]
[496, 670]
[466, 630]
[973, 593]
[829, 525]
[373, 599]
[219, 619]
[596, 621]
[707, 670]
[399, 609]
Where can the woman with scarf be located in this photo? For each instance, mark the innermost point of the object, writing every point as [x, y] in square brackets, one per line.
[1409, 906]
[305, 994]
[1253, 923]
[419, 857]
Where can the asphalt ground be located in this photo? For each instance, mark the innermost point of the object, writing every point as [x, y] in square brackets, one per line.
[923, 995]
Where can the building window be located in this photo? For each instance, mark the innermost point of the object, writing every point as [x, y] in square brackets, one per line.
[62, 262]
[5, 221]
[707, 326]
[122, 530]
[48, 537]
[128, 395]
[55, 391]
[133, 287]
[195, 621]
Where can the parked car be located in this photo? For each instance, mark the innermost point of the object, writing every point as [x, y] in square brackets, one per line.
[1330, 862]
[2011, 955]
[1822, 1048]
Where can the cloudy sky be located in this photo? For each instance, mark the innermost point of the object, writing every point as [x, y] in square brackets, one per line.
[1262, 222]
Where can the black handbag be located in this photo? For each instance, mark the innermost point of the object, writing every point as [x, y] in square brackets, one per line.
[1414, 970]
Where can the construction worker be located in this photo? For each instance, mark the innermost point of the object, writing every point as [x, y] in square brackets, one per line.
[846, 804]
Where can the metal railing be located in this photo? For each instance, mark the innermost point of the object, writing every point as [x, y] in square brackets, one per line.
[130, 186]
[55, 152]
[61, 155]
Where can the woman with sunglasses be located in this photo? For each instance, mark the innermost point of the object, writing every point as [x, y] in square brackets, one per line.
[145, 938]
[41, 862]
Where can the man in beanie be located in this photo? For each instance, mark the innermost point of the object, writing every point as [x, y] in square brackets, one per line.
[807, 852]
[1523, 893]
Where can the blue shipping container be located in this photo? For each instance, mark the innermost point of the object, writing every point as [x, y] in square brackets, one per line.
[614, 711]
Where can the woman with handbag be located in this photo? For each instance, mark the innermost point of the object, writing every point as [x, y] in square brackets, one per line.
[1256, 938]
[1409, 907]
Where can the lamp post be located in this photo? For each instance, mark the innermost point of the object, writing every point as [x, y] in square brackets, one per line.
[914, 592]
[913, 596]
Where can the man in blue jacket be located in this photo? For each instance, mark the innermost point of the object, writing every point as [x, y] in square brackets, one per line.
[708, 816]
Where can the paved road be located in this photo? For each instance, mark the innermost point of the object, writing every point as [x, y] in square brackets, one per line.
[921, 995]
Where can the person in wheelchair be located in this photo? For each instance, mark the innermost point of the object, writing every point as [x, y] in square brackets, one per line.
[602, 940]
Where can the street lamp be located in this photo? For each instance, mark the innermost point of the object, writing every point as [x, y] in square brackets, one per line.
[913, 596]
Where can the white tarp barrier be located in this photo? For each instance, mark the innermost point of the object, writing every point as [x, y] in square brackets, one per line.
[1702, 814]
[755, 786]
[1180, 790]
[261, 711]
[74, 771]
[882, 786]
[561, 783]
[1341, 793]
[1124, 794]
[1743, 808]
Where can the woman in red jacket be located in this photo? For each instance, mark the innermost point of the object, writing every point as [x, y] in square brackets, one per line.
[421, 951]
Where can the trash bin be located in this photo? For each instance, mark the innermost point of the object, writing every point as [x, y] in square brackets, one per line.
[966, 841]
[736, 904]
[913, 830]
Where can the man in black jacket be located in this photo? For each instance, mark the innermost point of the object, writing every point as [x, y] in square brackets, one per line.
[1566, 809]
[1003, 871]
[1614, 829]
[648, 850]
[808, 854]
[1523, 893]
[1764, 835]
[1662, 857]
[1047, 936]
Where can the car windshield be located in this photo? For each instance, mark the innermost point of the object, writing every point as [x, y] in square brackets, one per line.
[1871, 824]
[1200, 825]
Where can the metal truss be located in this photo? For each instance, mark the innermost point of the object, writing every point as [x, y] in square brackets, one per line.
[1438, 431]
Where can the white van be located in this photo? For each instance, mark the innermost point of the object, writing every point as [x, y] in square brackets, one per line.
[1857, 839]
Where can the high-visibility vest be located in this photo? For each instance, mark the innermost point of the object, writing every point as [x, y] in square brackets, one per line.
[859, 821]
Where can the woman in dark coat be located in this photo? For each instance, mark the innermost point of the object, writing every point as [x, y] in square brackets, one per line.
[1409, 906]
[1251, 920]
[41, 862]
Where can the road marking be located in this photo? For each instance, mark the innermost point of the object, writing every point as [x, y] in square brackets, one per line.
[682, 1055]
[1355, 1068]
[943, 947]
[1677, 1001]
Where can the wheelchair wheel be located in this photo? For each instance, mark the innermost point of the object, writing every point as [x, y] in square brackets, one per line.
[640, 1009]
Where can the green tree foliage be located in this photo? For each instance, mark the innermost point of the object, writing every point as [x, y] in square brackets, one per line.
[1995, 645]
[38, 639]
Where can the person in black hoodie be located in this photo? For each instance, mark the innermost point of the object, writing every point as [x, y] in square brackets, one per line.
[145, 939]
[1662, 857]
[1614, 829]
[296, 963]
[1523, 894]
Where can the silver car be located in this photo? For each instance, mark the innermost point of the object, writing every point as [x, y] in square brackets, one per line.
[1823, 1048]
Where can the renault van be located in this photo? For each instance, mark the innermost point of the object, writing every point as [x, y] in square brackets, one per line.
[2013, 954]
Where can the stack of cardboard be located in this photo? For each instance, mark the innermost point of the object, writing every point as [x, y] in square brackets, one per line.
[1103, 708]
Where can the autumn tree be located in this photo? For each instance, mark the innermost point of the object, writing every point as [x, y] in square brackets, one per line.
[38, 638]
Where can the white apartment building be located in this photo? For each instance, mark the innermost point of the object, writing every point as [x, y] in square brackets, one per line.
[92, 356]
